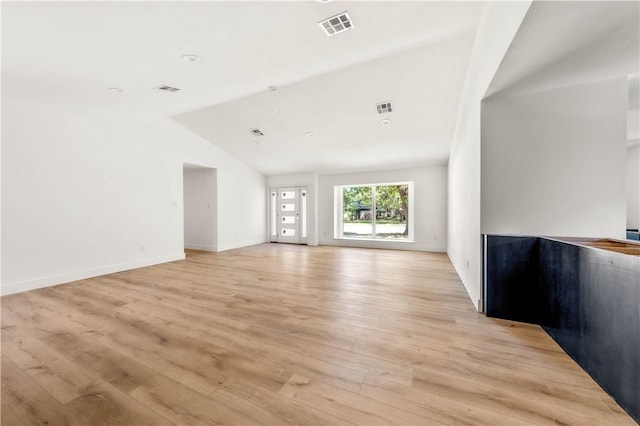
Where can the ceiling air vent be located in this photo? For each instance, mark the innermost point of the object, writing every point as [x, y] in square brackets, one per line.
[167, 88]
[384, 107]
[257, 132]
[336, 24]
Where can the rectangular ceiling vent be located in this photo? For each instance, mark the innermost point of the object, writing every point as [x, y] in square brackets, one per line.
[384, 107]
[336, 24]
[257, 132]
[167, 88]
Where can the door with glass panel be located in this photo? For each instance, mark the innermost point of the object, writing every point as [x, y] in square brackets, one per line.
[288, 215]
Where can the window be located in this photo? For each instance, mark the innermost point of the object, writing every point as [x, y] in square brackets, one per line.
[374, 212]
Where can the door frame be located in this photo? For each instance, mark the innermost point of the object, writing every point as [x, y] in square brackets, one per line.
[302, 208]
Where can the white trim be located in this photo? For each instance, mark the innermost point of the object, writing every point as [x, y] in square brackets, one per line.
[303, 213]
[273, 202]
[19, 287]
[338, 215]
[466, 283]
[382, 244]
[201, 247]
[338, 210]
[240, 245]
[377, 240]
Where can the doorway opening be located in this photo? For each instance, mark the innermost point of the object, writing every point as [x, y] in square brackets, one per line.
[200, 201]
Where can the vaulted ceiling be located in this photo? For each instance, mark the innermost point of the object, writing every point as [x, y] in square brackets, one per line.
[413, 54]
[322, 114]
[566, 43]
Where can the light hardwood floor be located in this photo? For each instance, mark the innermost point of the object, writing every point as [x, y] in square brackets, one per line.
[283, 334]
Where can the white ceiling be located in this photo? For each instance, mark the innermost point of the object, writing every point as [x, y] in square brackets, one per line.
[563, 43]
[339, 108]
[411, 53]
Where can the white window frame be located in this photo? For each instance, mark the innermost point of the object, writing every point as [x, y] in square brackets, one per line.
[338, 214]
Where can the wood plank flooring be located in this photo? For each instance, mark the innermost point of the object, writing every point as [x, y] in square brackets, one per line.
[282, 334]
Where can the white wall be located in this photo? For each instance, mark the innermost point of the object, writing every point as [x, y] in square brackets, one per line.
[429, 211]
[310, 180]
[241, 204]
[497, 28]
[87, 192]
[200, 208]
[633, 124]
[553, 162]
[633, 187]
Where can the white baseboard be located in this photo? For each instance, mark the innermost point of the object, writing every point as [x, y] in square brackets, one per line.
[477, 303]
[201, 247]
[19, 287]
[225, 247]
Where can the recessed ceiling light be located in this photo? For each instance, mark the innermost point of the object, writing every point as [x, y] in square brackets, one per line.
[116, 90]
[190, 58]
[273, 88]
[309, 134]
[385, 122]
[256, 143]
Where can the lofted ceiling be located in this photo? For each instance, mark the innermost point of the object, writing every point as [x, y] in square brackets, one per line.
[599, 40]
[414, 54]
[339, 109]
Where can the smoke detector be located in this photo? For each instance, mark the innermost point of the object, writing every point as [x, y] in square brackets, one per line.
[167, 88]
[190, 58]
[257, 132]
[336, 24]
[384, 107]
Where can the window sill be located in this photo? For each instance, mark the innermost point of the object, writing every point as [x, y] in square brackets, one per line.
[376, 240]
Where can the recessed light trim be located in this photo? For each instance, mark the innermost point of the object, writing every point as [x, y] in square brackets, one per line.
[385, 122]
[190, 58]
[336, 24]
[116, 90]
[309, 134]
[256, 143]
[273, 88]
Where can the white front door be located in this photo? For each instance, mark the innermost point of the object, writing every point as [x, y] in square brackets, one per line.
[288, 215]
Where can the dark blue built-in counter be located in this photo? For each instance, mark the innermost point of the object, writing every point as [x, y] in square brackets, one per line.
[585, 293]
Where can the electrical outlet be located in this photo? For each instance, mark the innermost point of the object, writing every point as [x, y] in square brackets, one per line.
[142, 248]
[467, 264]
